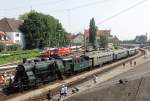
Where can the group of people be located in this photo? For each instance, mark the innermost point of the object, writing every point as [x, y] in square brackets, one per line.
[131, 62]
[63, 93]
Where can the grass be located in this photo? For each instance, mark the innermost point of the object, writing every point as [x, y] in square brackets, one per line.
[18, 55]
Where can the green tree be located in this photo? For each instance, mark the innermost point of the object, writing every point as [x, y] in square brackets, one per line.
[115, 45]
[92, 32]
[103, 41]
[42, 30]
[116, 42]
[23, 16]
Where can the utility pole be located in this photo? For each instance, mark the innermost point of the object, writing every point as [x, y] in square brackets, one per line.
[146, 37]
[69, 19]
[58, 41]
[84, 43]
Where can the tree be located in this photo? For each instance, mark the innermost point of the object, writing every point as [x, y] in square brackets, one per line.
[115, 45]
[42, 30]
[23, 16]
[92, 32]
[115, 42]
[103, 42]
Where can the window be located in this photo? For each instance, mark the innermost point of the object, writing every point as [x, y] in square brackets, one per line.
[17, 35]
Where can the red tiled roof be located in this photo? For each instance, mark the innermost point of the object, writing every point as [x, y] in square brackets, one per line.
[10, 25]
[2, 33]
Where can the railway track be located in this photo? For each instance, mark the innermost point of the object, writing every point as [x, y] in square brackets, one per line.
[42, 96]
[7, 69]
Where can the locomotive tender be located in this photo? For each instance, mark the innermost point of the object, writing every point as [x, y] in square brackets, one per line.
[41, 71]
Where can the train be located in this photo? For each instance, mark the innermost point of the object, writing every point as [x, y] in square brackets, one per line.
[45, 70]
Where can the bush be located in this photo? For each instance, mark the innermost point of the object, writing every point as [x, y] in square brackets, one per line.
[18, 55]
[13, 47]
[115, 46]
[2, 46]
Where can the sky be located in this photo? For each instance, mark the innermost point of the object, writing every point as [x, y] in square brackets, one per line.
[125, 18]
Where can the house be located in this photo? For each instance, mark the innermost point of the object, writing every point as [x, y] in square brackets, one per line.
[4, 39]
[98, 33]
[11, 28]
[103, 32]
[141, 39]
[77, 39]
[111, 39]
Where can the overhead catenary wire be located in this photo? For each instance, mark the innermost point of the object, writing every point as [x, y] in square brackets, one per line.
[73, 8]
[59, 10]
[122, 11]
[89, 4]
[98, 2]
[69, 10]
[81, 6]
[41, 4]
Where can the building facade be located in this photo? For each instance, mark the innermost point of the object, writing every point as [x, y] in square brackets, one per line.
[141, 39]
[77, 39]
[11, 28]
[4, 39]
[98, 33]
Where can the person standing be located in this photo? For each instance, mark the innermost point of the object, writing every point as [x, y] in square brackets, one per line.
[49, 95]
[5, 75]
[131, 63]
[95, 79]
[124, 64]
[134, 63]
[65, 90]
[62, 92]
